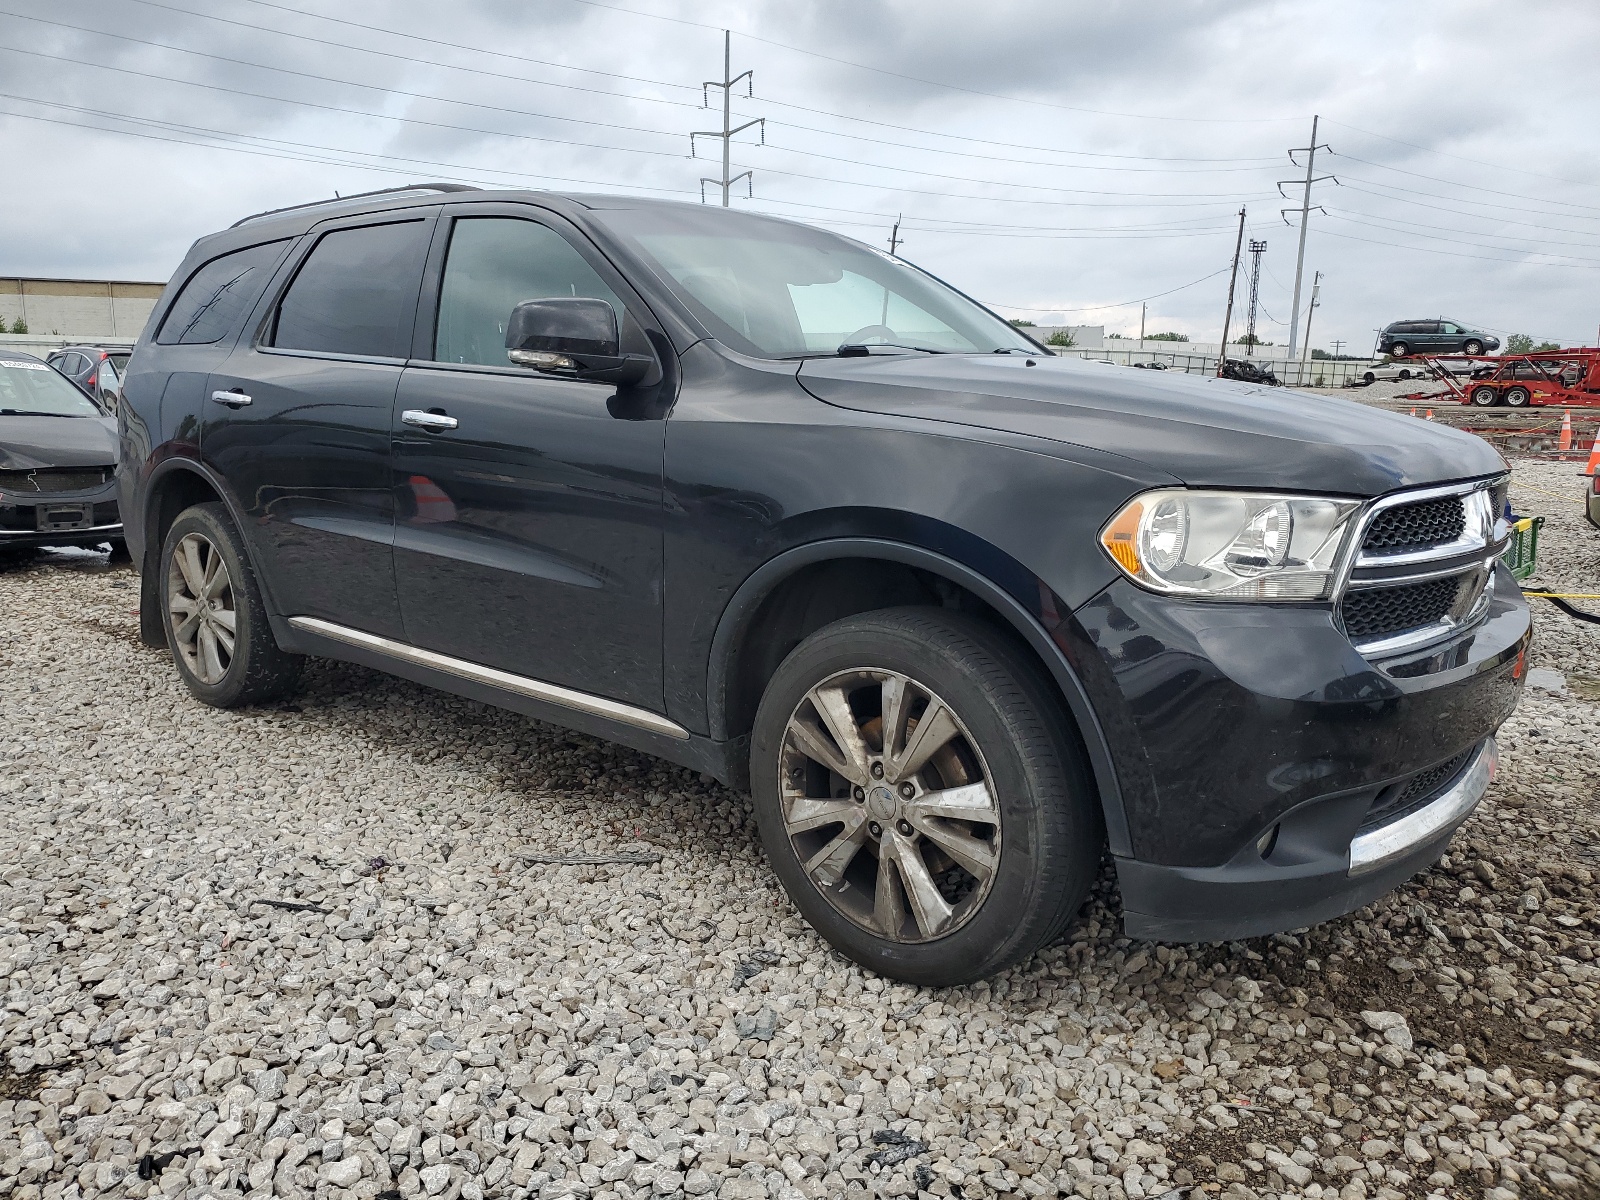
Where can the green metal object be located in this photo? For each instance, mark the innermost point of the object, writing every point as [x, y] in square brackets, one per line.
[1522, 555]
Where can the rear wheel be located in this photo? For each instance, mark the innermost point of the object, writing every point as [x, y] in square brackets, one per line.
[1485, 397]
[1399, 350]
[920, 797]
[216, 624]
[1517, 397]
[1472, 347]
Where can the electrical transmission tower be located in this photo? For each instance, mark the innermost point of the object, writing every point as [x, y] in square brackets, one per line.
[1256, 249]
[727, 83]
[1305, 218]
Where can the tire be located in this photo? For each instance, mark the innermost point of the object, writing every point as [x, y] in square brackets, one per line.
[1404, 374]
[119, 553]
[203, 562]
[1517, 397]
[1485, 397]
[1472, 347]
[1370, 378]
[1399, 350]
[1004, 742]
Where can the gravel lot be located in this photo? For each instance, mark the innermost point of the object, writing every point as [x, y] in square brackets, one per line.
[304, 951]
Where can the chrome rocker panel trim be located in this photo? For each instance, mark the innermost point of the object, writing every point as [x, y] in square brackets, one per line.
[534, 689]
[1392, 842]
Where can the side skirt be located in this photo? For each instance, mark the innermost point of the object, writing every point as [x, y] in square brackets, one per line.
[612, 720]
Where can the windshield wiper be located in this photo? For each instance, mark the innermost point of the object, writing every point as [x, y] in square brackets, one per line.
[865, 349]
[23, 412]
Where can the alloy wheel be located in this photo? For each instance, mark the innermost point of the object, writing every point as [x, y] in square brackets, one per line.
[888, 805]
[200, 605]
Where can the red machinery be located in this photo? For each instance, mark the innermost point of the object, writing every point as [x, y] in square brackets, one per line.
[1565, 378]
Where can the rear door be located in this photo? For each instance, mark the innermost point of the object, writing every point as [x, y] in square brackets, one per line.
[298, 418]
[529, 535]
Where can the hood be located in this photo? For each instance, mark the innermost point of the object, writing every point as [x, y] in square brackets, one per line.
[28, 443]
[1204, 432]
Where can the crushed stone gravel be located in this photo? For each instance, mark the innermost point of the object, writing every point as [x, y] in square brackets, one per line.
[367, 944]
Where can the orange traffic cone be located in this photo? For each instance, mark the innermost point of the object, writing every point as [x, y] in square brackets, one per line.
[1594, 456]
[1566, 432]
[1413, 410]
[1429, 417]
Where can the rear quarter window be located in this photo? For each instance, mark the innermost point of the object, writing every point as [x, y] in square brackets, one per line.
[218, 295]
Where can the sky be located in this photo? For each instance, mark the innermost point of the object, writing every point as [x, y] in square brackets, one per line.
[1060, 162]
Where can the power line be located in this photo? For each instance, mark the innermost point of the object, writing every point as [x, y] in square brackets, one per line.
[1350, 237]
[665, 83]
[1462, 158]
[941, 83]
[1472, 187]
[1095, 307]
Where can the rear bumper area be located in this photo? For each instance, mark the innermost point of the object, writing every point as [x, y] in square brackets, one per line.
[1253, 895]
[84, 518]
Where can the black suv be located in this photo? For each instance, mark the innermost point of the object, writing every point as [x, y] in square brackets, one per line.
[1404, 338]
[769, 503]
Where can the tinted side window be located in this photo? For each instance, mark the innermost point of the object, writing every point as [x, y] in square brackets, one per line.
[218, 294]
[356, 293]
[494, 263]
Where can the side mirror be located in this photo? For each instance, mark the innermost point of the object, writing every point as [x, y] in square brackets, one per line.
[572, 336]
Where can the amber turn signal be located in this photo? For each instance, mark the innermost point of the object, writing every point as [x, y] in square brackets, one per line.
[1119, 538]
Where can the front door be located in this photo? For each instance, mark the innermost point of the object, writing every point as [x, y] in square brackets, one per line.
[529, 527]
[298, 420]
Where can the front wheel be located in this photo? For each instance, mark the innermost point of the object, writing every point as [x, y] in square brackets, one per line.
[1484, 397]
[920, 796]
[211, 608]
[1472, 348]
[1517, 397]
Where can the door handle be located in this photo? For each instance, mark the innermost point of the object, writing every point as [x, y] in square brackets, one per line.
[428, 420]
[234, 399]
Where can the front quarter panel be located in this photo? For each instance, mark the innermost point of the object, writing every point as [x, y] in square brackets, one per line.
[756, 466]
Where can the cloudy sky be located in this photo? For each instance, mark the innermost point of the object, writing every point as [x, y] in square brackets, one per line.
[1058, 161]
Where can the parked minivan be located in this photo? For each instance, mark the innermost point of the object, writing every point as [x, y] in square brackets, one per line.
[1405, 338]
[767, 502]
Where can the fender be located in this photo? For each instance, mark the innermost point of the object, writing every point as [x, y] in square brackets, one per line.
[150, 627]
[736, 617]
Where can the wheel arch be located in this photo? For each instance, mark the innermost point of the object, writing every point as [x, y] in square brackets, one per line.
[775, 607]
[173, 486]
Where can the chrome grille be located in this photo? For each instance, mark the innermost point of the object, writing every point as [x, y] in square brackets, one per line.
[54, 479]
[1415, 526]
[1425, 565]
[1372, 613]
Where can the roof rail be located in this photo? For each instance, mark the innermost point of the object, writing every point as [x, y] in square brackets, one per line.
[410, 187]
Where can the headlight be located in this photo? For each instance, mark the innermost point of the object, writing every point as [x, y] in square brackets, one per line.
[1231, 545]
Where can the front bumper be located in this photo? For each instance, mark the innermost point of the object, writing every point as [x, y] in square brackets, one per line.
[26, 519]
[1262, 759]
[1254, 895]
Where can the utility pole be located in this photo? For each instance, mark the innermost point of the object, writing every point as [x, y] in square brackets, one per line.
[1233, 278]
[1305, 219]
[1256, 250]
[1142, 307]
[894, 235]
[1338, 345]
[727, 131]
[1311, 310]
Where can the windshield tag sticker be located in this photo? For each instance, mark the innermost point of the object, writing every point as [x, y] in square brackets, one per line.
[20, 365]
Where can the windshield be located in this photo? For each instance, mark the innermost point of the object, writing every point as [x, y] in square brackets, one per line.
[774, 289]
[32, 387]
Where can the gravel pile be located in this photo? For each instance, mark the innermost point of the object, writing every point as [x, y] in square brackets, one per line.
[323, 950]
